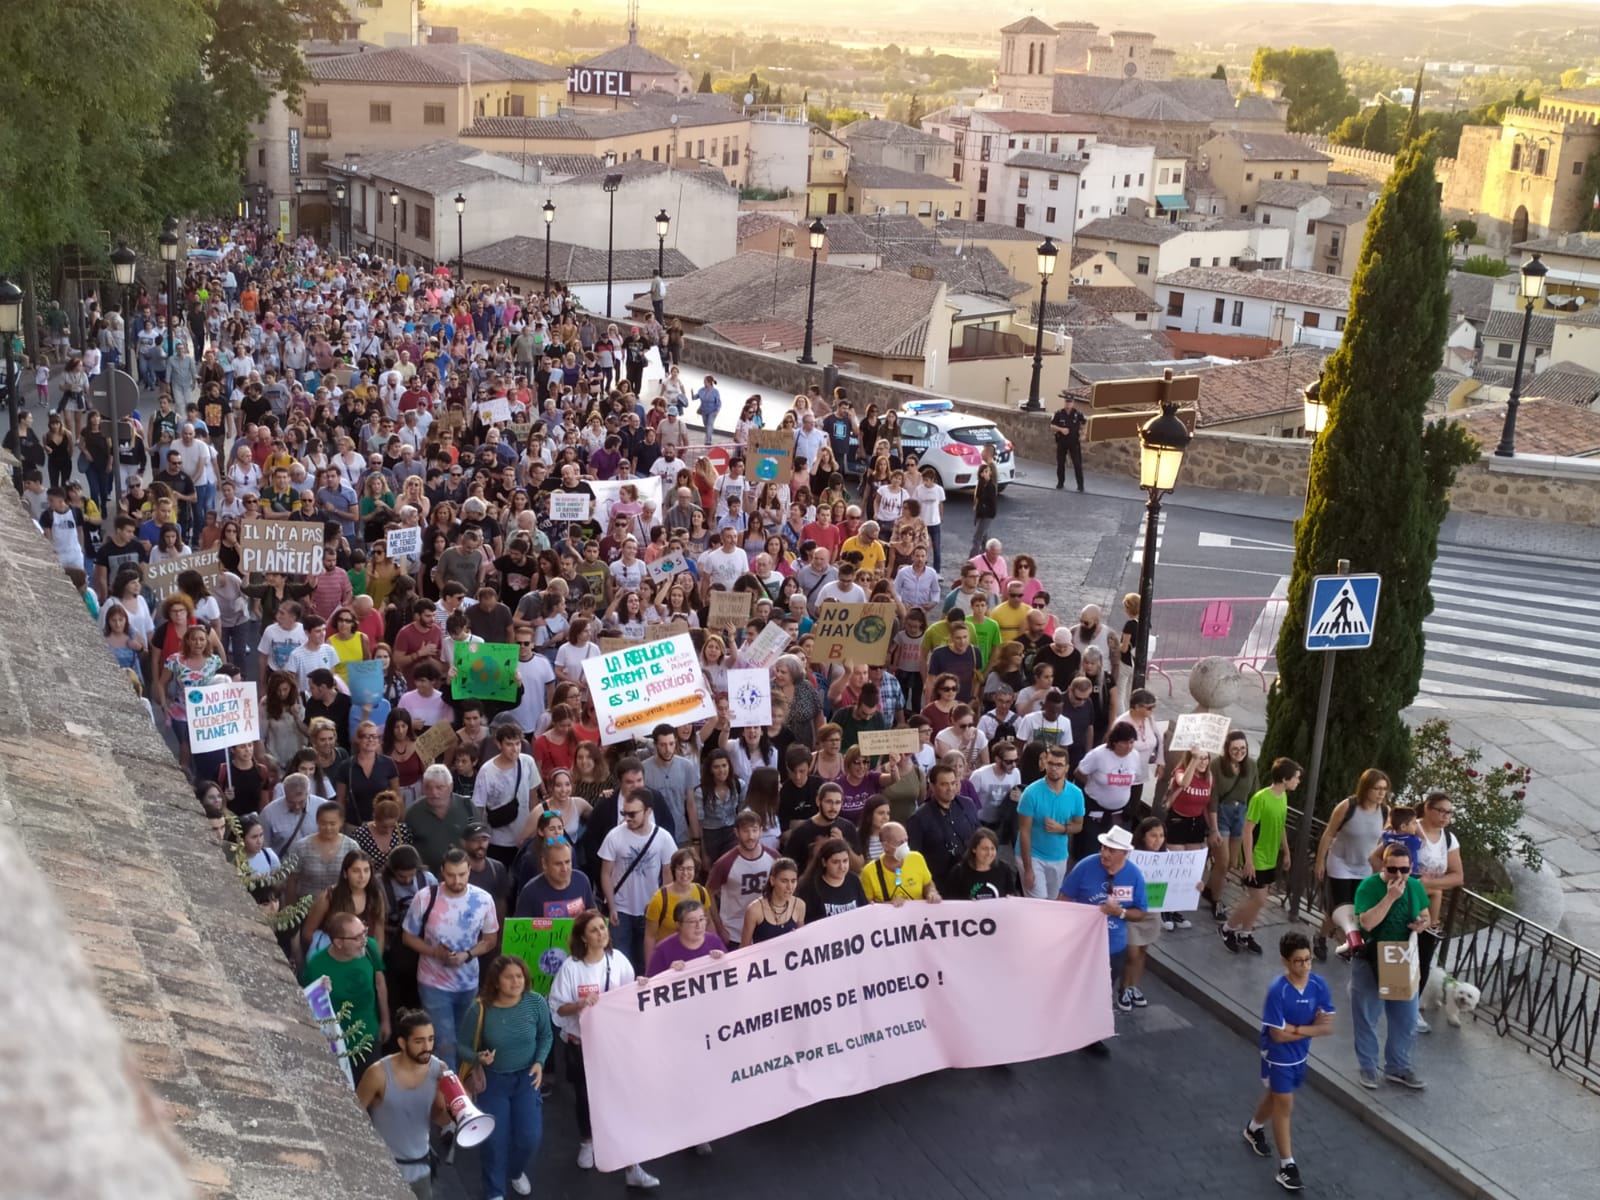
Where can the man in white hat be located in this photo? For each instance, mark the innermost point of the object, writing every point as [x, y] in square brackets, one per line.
[1116, 887]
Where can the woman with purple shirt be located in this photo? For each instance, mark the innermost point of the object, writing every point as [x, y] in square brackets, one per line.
[691, 941]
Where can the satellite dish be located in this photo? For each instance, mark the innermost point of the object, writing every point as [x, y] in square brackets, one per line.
[749, 97]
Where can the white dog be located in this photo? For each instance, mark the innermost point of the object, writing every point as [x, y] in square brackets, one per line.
[1457, 996]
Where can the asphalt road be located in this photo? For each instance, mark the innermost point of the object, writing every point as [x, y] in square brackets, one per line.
[1159, 1119]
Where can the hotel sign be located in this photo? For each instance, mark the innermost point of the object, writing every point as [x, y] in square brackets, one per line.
[587, 81]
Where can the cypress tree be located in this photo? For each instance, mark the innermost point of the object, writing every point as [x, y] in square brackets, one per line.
[1376, 135]
[705, 84]
[1378, 491]
[1220, 73]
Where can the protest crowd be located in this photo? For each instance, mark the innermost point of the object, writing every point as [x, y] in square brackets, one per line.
[490, 506]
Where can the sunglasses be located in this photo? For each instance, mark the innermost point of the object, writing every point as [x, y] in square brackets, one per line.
[1397, 870]
[965, 725]
[948, 691]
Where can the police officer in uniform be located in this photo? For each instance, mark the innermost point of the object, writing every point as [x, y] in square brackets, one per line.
[1068, 423]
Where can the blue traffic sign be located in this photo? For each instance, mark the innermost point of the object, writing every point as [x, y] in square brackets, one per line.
[1343, 612]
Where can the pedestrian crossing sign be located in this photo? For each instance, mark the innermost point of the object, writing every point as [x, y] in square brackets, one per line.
[1343, 612]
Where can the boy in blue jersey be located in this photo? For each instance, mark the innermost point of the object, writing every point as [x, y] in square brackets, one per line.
[1298, 1008]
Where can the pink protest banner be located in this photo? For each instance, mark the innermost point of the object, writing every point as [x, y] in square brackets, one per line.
[860, 1000]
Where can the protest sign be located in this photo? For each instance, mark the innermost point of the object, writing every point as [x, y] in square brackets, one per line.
[1171, 878]
[403, 543]
[434, 741]
[646, 493]
[858, 1002]
[876, 742]
[642, 686]
[749, 697]
[319, 995]
[518, 431]
[221, 715]
[453, 418]
[610, 644]
[485, 671]
[366, 682]
[852, 633]
[767, 646]
[495, 411]
[280, 547]
[667, 566]
[161, 579]
[665, 629]
[771, 452]
[728, 608]
[1201, 731]
[541, 942]
[569, 506]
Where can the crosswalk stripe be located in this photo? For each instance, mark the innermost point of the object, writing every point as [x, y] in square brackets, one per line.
[1477, 673]
[1466, 600]
[1473, 584]
[1434, 687]
[1491, 649]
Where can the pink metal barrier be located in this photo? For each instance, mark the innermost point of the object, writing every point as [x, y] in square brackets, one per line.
[1241, 628]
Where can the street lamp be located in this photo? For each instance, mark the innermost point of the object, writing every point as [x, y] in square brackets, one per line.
[124, 266]
[549, 211]
[339, 195]
[662, 222]
[1316, 408]
[461, 254]
[1532, 288]
[611, 183]
[168, 242]
[1162, 442]
[10, 326]
[1047, 267]
[819, 235]
[394, 223]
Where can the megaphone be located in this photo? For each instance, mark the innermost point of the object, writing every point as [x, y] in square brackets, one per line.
[472, 1125]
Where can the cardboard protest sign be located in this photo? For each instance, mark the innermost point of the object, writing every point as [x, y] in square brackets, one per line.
[542, 943]
[435, 740]
[161, 579]
[749, 697]
[853, 633]
[221, 715]
[728, 608]
[403, 543]
[609, 644]
[1171, 878]
[667, 566]
[569, 506]
[767, 646]
[280, 547]
[642, 686]
[485, 671]
[771, 452]
[877, 742]
[665, 629]
[1201, 731]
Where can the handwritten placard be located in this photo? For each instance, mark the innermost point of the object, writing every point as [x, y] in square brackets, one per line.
[161, 579]
[570, 506]
[877, 742]
[728, 609]
[853, 633]
[1205, 732]
[495, 411]
[668, 565]
[280, 547]
[435, 740]
[767, 646]
[403, 543]
[665, 629]
[749, 697]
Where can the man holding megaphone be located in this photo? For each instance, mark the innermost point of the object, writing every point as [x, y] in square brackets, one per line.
[406, 1094]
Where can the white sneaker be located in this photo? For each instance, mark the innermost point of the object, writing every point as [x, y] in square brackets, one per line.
[638, 1177]
[1422, 1024]
[703, 1150]
[521, 1186]
[586, 1155]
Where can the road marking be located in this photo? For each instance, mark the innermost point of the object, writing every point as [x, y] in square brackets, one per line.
[1223, 541]
[1477, 672]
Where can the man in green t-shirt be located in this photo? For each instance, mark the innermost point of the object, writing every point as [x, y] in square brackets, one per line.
[985, 630]
[1266, 852]
[1390, 907]
[354, 967]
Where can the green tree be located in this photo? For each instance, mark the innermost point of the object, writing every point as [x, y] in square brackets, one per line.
[1351, 131]
[1589, 195]
[1377, 386]
[1318, 96]
[1220, 73]
[915, 110]
[705, 84]
[1485, 264]
[1376, 134]
[1574, 78]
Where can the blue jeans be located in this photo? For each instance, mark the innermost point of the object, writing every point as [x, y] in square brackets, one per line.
[239, 644]
[628, 936]
[933, 541]
[446, 1009]
[518, 1111]
[205, 499]
[1366, 1007]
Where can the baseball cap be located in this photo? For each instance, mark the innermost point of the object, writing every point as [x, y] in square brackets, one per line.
[475, 829]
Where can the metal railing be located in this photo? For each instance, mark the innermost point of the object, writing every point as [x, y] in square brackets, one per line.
[1537, 987]
[1241, 628]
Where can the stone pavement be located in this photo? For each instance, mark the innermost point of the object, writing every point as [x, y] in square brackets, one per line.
[1159, 1119]
[1496, 1120]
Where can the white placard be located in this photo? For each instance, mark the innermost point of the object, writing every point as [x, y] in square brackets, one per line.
[767, 646]
[749, 697]
[569, 506]
[667, 566]
[221, 715]
[404, 543]
[643, 686]
[1201, 731]
[280, 547]
[1171, 878]
[608, 492]
[496, 411]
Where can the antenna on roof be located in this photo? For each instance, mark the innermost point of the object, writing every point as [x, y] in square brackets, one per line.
[633, 22]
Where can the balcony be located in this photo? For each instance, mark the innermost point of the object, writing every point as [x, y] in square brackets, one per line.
[319, 132]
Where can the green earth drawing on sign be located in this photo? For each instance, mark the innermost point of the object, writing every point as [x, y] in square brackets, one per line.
[871, 630]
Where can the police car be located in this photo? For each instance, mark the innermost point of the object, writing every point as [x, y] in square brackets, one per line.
[953, 443]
